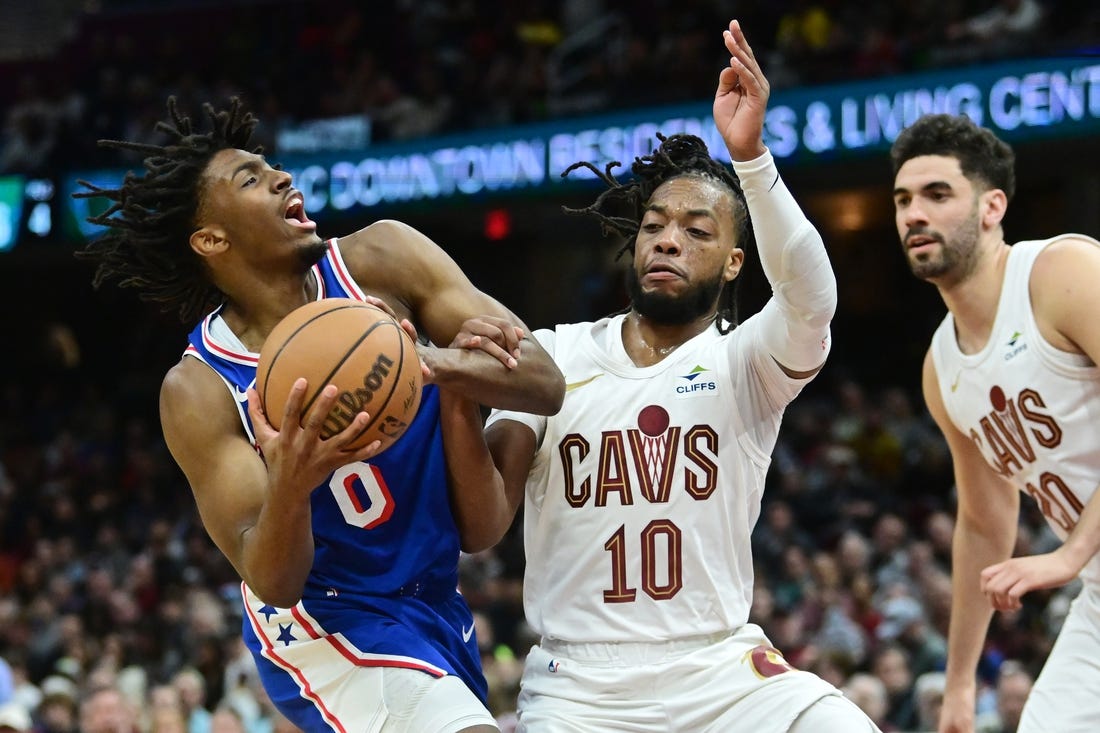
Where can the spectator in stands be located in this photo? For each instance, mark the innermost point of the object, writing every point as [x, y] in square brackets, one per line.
[14, 718]
[869, 693]
[1013, 686]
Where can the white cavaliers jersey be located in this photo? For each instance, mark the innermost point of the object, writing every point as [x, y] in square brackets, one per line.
[1031, 409]
[645, 487]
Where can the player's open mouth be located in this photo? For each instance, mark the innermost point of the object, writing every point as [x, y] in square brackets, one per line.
[296, 214]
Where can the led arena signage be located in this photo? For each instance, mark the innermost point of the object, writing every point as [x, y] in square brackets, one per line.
[1021, 101]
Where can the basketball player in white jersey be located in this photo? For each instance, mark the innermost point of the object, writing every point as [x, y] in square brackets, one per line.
[1011, 378]
[642, 492]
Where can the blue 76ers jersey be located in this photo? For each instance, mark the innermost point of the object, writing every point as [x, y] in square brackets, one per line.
[383, 586]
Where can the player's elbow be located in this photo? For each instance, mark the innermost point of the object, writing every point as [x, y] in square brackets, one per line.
[548, 392]
[552, 399]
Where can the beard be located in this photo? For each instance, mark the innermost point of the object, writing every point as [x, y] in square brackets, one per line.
[957, 256]
[312, 253]
[674, 310]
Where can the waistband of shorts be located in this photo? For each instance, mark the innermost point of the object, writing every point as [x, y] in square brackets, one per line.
[630, 652]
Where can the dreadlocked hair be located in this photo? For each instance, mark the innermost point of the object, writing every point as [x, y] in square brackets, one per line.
[152, 216]
[621, 206]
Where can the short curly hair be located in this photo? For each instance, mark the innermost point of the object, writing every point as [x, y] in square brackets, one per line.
[153, 215]
[983, 157]
[621, 206]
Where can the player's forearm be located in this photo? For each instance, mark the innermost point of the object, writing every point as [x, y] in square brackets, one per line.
[535, 385]
[478, 502]
[973, 549]
[277, 551]
[796, 264]
[792, 252]
[1083, 542]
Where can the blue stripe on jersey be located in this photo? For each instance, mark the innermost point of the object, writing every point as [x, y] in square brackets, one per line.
[385, 539]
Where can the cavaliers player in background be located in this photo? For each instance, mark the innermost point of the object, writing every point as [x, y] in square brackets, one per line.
[349, 559]
[1011, 378]
[642, 492]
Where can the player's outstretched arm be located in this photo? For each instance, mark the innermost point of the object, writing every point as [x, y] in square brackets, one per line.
[408, 270]
[985, 532]
[257, 514]
[792, 253]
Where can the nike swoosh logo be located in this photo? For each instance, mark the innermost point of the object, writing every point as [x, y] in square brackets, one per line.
[467, 634]
[955, 386]
[242, 397]
[578, 385]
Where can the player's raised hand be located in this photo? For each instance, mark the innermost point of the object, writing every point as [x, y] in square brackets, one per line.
[741, 98]
[298, 454]
[1006, 582]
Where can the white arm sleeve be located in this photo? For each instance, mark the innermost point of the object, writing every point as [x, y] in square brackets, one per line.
[796, 328]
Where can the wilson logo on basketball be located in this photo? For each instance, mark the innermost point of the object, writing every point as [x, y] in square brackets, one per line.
[350, 402]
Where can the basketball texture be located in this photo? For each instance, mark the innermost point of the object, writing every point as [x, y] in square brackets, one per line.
[357, 347]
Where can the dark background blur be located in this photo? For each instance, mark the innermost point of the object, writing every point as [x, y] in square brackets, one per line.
[106, 576]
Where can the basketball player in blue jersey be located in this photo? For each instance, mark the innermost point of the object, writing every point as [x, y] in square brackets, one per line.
[1011, 378]
[348, 559]
[640, 495]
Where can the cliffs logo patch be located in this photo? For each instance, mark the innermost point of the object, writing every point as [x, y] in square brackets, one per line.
[697, 383]
[1015, 346]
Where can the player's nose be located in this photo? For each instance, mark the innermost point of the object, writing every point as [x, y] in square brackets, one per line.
[281, 180]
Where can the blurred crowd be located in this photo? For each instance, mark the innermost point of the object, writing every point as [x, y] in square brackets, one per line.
[411, 68]
[116, 611]
[113, 602]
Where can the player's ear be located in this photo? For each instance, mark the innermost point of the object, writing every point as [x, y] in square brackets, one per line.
[994, 203]
[734, 260]
[209, 241]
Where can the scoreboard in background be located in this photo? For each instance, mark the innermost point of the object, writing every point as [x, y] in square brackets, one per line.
[26, 210]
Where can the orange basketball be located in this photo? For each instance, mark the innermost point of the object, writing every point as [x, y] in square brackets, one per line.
[356, 346]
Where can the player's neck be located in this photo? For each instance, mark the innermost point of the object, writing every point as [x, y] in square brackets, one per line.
[647, 342]
[973, 301]
[252, 318]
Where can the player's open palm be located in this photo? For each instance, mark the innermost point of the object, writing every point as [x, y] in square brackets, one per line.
[298, 455]
[741, 98]
[1006, 582]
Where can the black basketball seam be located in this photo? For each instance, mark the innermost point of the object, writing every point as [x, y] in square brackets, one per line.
[340, 363]
[289, 338]
[393, 386]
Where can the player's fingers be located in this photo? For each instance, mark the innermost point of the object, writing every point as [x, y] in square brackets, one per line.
[379, 303]
[292, 409]
[349, 434]
[519, 337]
[739, 36]
[988, 582]
[256, 410]
[362, 454]
[1019, 589]
[409, 328]
[314, 420]
[493, 349]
